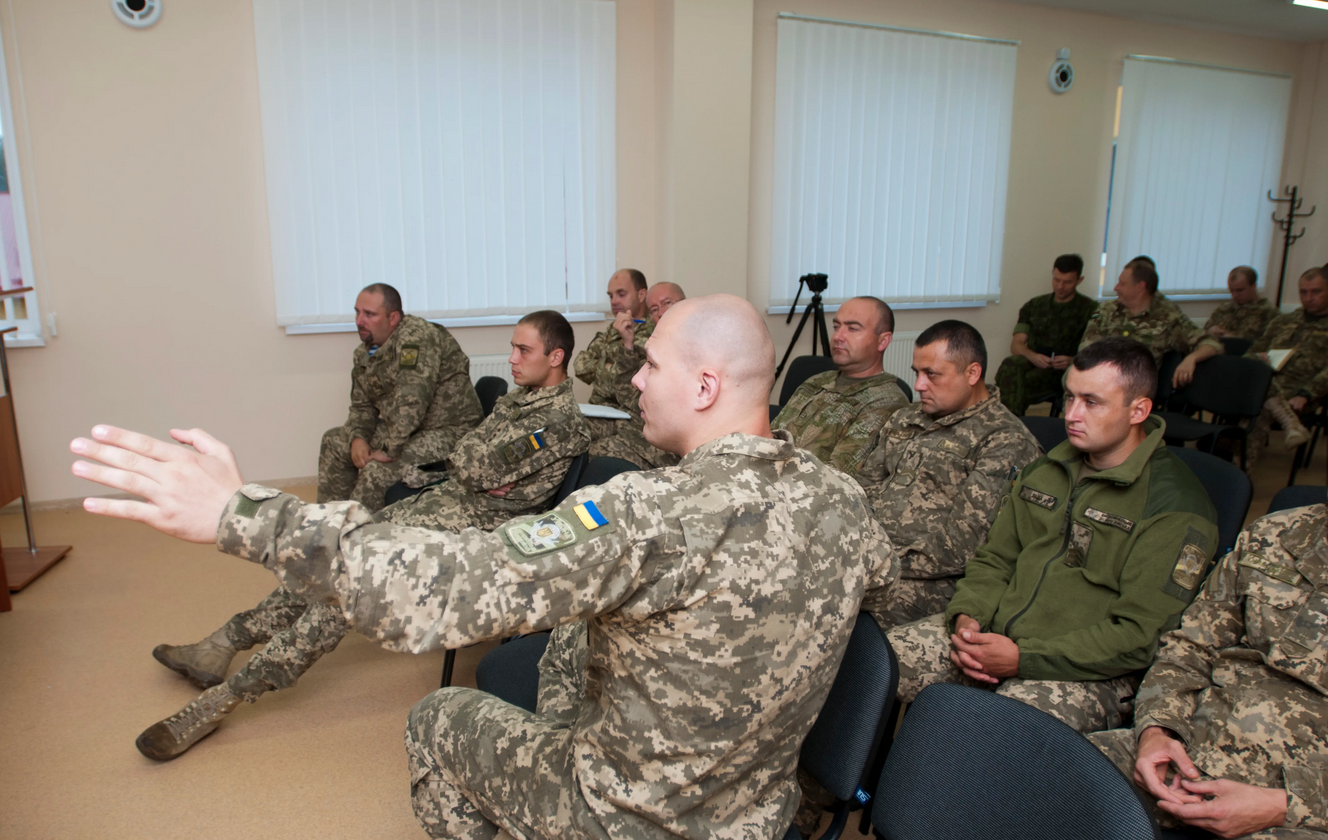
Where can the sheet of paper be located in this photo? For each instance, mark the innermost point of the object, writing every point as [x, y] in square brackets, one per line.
[604, 411]
[1278, 358]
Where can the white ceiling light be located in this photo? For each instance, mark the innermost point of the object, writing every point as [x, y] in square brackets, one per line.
[1313, 4]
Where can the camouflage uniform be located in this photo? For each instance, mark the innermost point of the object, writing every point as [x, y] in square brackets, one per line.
[1242, 320]
[412, 399]
[1051, 327]
[935, 484]
[719, 597]
[836, 417]
[1305, 373]
[1160, 327]
[608, 367]
[299, 631]
[1084, 574]
[1243, 682]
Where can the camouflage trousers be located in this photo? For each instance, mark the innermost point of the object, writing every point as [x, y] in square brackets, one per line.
[923, 648]
[338, 478]
[1021, 382]
[298, 631]
[562, 673]
[623, 439]
[909, 599]
[478, 765]
[447, 507]
[1119, 746]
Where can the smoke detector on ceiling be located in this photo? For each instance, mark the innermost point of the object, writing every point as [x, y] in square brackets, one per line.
[1061, 77]
[137, 13]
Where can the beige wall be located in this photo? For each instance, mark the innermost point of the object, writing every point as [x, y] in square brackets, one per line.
[150, 237]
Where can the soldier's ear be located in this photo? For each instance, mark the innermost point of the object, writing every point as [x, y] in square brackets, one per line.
[394, 318]
[556, 357]
[883, 341]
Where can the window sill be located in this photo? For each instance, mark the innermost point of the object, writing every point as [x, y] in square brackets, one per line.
[24, 339]
[450, 323]
[943, 304]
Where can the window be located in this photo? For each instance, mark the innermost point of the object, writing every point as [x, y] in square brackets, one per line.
[462, 151]
[15, 256]
[892, 152]
[1197, 151]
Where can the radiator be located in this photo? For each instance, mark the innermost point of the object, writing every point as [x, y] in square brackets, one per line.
[491, 364]
[899, 355]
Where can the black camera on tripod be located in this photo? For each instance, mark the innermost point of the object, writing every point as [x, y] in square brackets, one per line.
[816, 282]
[815, 311]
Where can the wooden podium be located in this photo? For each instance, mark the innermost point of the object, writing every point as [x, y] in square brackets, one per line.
[18, 566]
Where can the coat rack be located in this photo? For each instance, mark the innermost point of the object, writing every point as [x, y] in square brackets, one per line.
[1287, 225]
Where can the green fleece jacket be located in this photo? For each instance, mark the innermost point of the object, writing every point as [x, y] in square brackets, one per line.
[1085, 575]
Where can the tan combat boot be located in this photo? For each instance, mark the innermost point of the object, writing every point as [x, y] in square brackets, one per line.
[204, 664]
[170, 738]
[1296, 433]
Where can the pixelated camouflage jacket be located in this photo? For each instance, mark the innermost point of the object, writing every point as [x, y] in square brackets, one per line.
[720, 593]
[608, 367]
[1052, 326]
[1160, 327]
[1085, 575]
[1242, 320]
[936, 483]
[1244, 681]
[1306, 370]
[836, 418]
[417, 381]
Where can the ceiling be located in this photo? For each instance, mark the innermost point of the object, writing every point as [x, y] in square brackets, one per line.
[1269, 18]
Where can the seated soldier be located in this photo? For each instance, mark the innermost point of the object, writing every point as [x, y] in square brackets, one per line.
[1237, 702]
[1100, 546]
[1046, 337]
[608, 364]
[737, 574]
[1247, 313]
[1303, 376]
[512, 464]
[411, 400]
[937, 469]
[835, 415]
[660, 297]
[1146, 315]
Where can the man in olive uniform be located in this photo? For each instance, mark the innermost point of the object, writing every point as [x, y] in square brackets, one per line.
[1045, 339]
[835, 415]
[1144, 314]
[608, 364]
[512, 464]
[1247, 313]
[1100, 546]
[411, 400]
[1303, 377]
[1237, 701]
[937, 469]
[719, 595]
[660, 297]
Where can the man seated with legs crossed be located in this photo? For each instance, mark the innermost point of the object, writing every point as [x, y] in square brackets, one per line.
[1100, 546]
[512, 464]
[1231, 727]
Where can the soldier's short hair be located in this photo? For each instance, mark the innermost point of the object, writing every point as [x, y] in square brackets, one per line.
[963, 343]
[1250, 276]
[1132, 359]
[1069, 264]
[1143, 270]
[885, 316]
[1320, 272]
[554, 332]
[638, 279]
[391, 297]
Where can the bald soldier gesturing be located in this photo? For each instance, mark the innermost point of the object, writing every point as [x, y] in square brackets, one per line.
[719, 596]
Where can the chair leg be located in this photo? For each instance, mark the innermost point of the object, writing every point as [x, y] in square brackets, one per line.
[449, 659]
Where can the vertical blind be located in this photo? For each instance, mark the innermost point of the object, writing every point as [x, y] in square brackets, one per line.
[460, 150]
[892, 153]
[1198, 150]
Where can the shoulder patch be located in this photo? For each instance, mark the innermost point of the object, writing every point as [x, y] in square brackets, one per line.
[1037, 497]
[1115, 520]
[590, 516]
[1189, 567]
[541, 534]
[410, 355]
[523, 447]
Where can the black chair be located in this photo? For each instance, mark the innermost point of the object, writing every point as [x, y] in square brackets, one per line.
[853, 721]
[489, 389]
[905, 387]
[1229, 489]
[1166, 370]
[971, 763]
[510, 672]
[1237, 346]
[1049, 431]
[570, 481]
[1315, 419]
[800, 370]
[1233, 388]
[1298, 495]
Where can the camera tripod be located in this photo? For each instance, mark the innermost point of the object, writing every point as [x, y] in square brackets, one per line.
[817, 283]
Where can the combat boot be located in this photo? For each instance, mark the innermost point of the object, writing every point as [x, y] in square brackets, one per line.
[204, 664]
[1296, 433]
[170, 738]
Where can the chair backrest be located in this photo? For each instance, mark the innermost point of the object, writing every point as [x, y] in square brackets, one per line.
[1230, 386]
[1237, 346]
[971, 763]
[1166, 369]
[851, 721]
[1049, 431]
[489, 389]
[905, 387]
[1298, 495]
[572, 478]
[1229, 490]
[510, 671]
[800, 370]
[601, 468]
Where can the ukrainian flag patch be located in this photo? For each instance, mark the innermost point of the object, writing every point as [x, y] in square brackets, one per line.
[537, 441]
[590, 516]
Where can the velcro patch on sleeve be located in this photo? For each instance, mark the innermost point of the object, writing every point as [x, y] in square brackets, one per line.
[410, 355]
[540, 534]
[1113, 519]
[590, 516]
[246, 507]
[954, 447]
[1037, 497]
[524, 446]
[1189, 567]
[1276, 571]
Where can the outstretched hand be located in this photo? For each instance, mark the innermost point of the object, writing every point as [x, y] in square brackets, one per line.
[185, 490]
